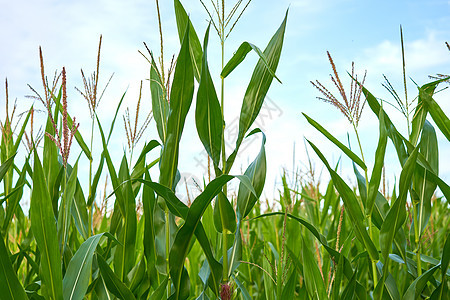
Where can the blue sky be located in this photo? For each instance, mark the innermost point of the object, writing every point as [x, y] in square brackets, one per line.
[366, 32]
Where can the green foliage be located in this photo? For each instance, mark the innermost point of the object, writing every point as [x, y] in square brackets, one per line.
[346, 243]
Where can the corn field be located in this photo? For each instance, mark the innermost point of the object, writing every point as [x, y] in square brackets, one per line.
[142, 242]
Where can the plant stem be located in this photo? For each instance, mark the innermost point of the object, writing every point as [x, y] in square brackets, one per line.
[90, 223]
[222, 97]
[167, 249]
[417, 240]
[366, 176]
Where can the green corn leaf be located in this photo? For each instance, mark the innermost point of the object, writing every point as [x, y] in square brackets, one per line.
[397, 213]
[224, 215]
[98, 173]
[208, 115]
[335, 141]
[180, 101]
[180, 247]
[242, 288]
[112, 282]
[352, 207]
[442, 290]
[195, 48]
[289, 288]
[423, 186]
[423, 165]
[148, 203]
[347, 268]
[77, 277]
[313, 279]
[269, 284]
[65, 207]
[256, 171]
[438, 115]
[44, 230]
[16, 194]
[387, 281]
[6, 165]
[80, 212]
[378, 166]
[160, 291]
[160, 103]
[10, 287]
[137, 274]
[112, 171]
[415, 289]
[349, 290]
[392, 132]
[257, 88]
[180, 209]
[77, 134]
[22, 131]
[124, 257]
[239, 57]
[338, 277]
[420, 112]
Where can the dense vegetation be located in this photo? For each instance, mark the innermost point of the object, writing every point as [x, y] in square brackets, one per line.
[339, 243]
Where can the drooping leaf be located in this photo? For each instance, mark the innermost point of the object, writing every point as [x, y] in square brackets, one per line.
[438, 115]
[335, 141]
[257, 88]
[239, 57]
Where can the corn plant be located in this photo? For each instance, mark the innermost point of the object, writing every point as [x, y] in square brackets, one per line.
[341, 243]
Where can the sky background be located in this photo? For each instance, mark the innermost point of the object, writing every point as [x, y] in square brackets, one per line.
[366, 32]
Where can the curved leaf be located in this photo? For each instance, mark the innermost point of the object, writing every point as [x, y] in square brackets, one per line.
[76, 279]
[258, 87]
[256, 171]
[352, 206]
[10, 287]
[335, 141]
[208, 115]
[240, 55]
[112, 282]
[180, 247]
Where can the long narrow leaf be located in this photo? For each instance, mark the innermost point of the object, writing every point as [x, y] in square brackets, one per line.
[208, 115]
[44, 230]
[10, 287]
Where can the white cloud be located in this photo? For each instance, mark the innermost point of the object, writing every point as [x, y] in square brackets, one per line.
[421, 55]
